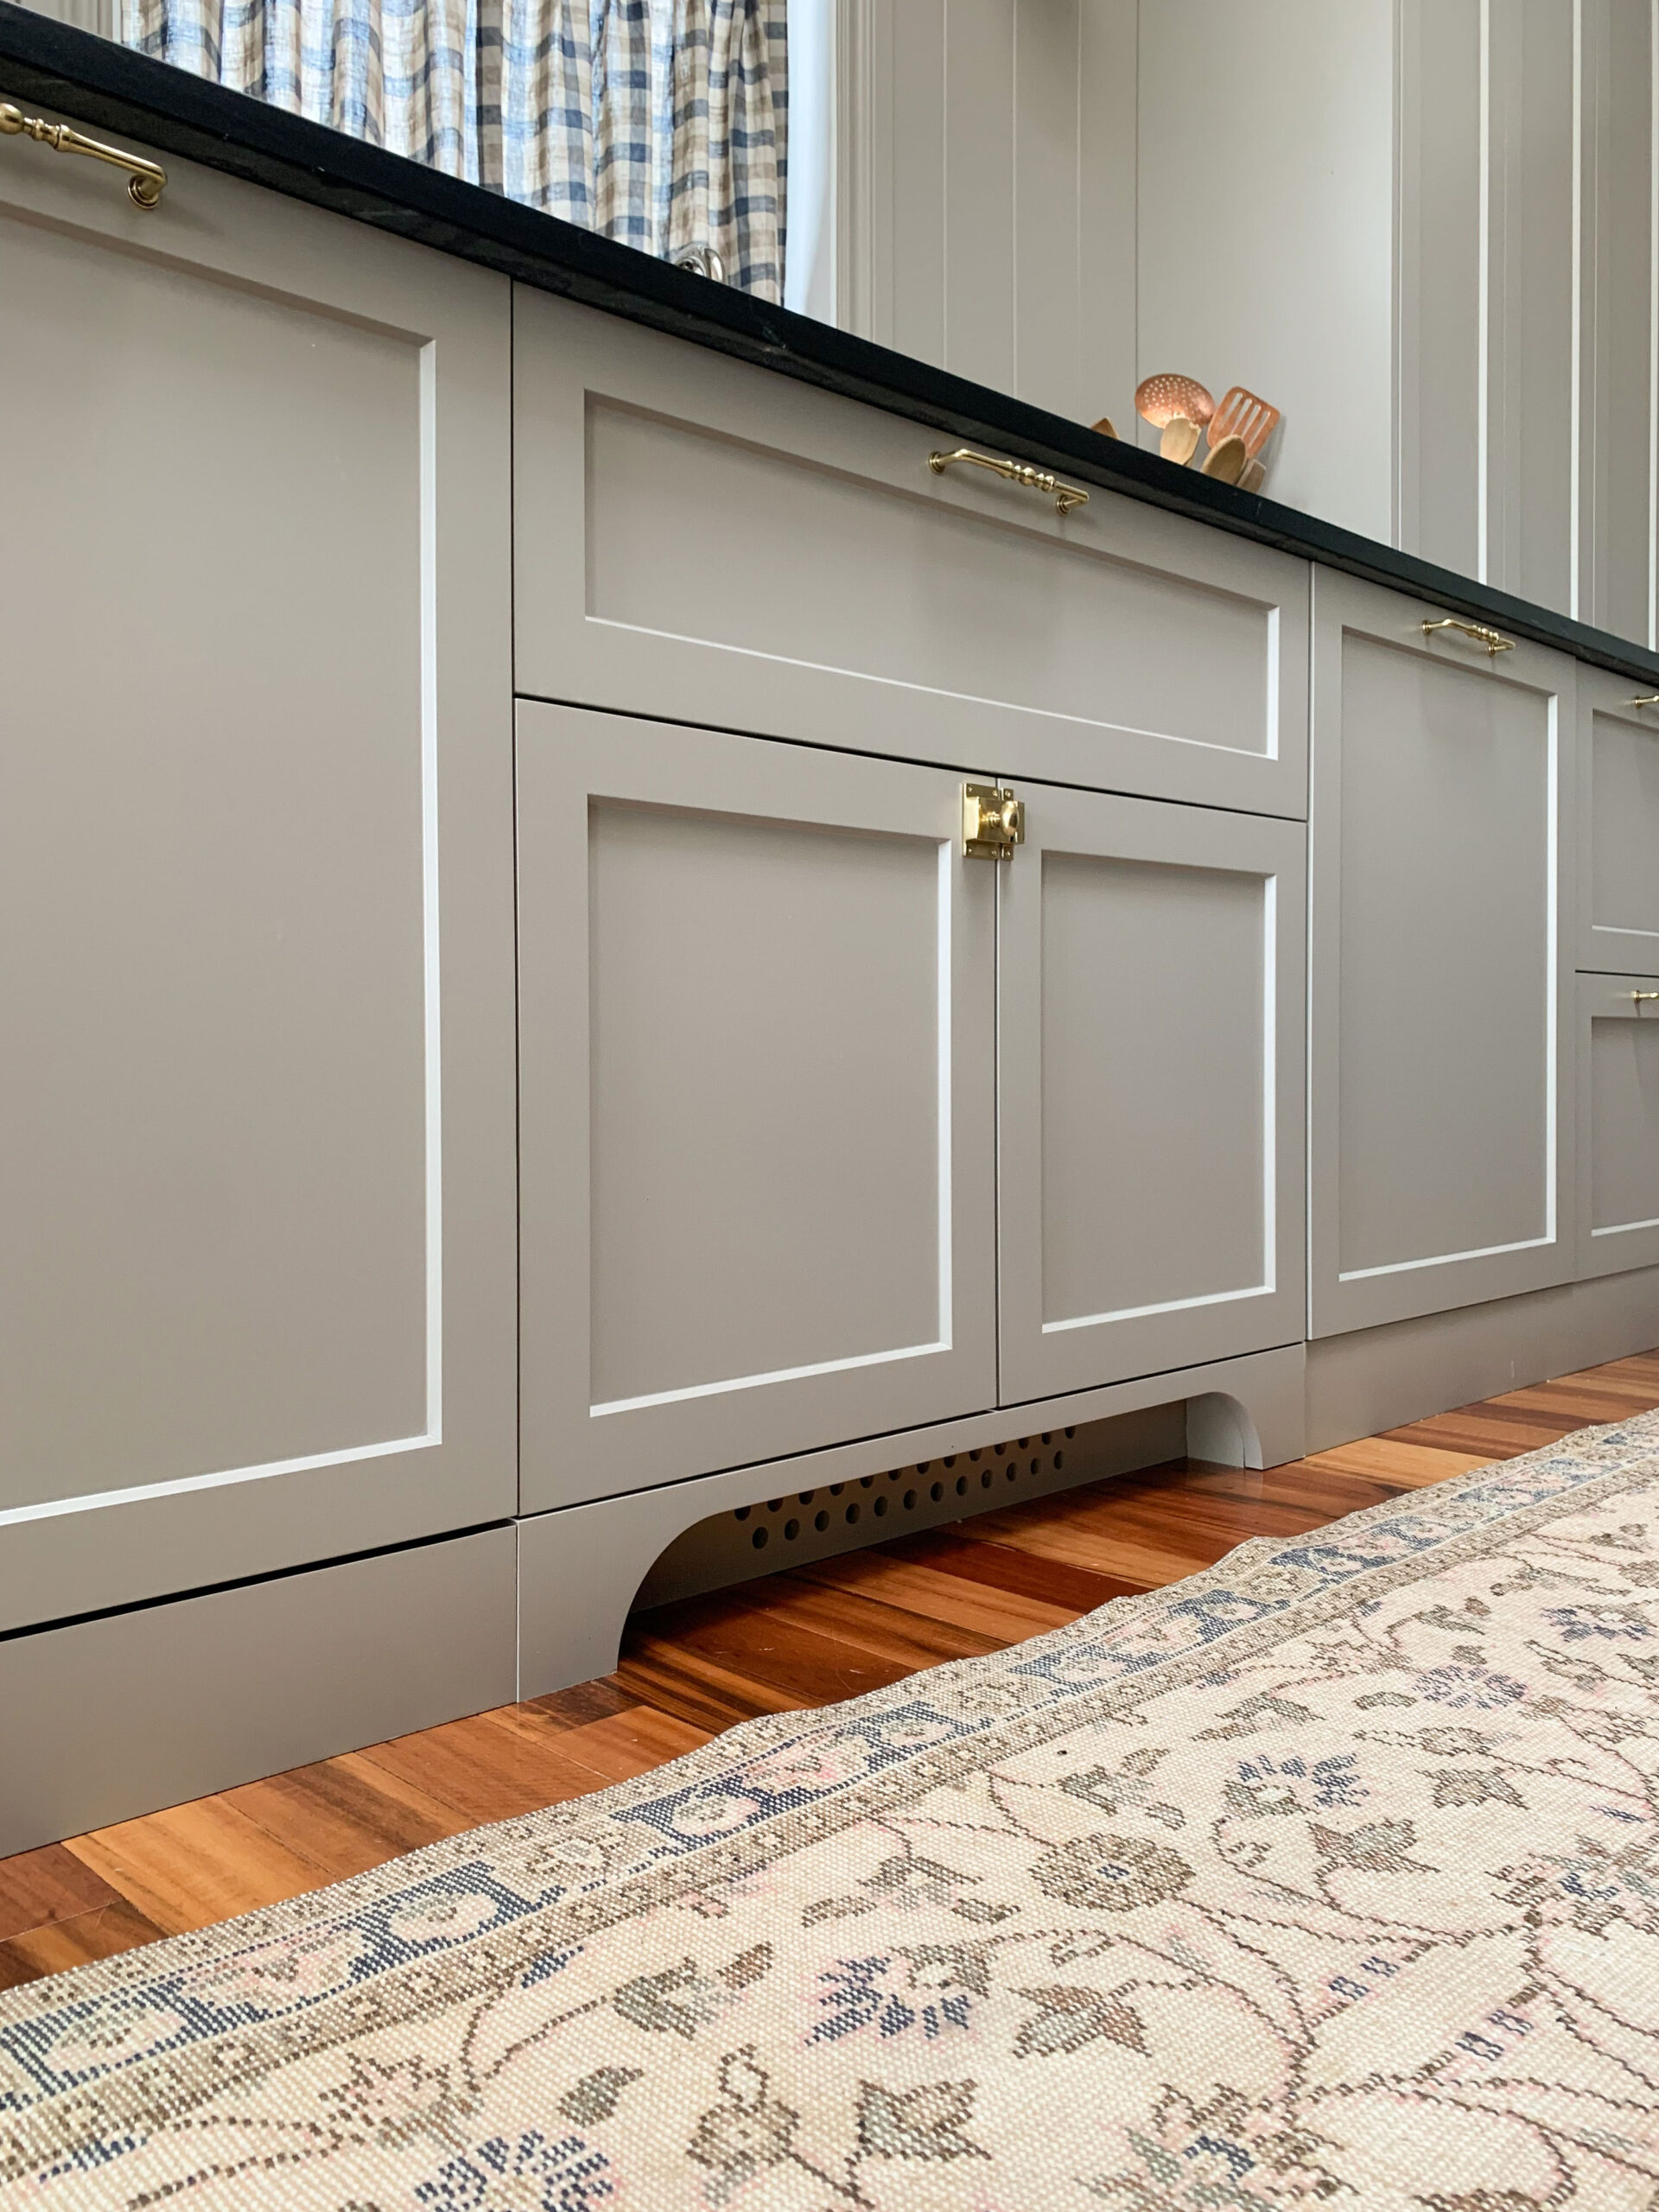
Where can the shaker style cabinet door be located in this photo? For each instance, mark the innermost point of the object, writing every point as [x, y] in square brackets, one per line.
[1150, 1073]
[1441, 843]
[1619, 823]
[255, 920]
[756, 1134]
[704, 539]
[1619, 1123]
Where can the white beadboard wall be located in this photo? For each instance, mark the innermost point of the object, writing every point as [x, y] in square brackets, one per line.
[1425, 228]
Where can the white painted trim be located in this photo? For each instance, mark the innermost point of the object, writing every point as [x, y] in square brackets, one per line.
[50, 1509]
[761, 1381]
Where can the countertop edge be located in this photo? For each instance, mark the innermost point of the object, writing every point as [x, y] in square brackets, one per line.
[55, 65]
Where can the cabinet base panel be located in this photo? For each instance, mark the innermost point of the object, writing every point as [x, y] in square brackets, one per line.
[582, 1569]
[1370, 1380]
[105, 1718]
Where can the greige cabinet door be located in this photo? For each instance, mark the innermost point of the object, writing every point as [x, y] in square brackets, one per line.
[756, 1136]
[1618, 1123]
[709, 542]
[1150, 1082]
[1619, 823]
[1442, 838]
[256, 921]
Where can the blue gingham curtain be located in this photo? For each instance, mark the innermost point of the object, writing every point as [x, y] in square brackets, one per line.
[662, 123]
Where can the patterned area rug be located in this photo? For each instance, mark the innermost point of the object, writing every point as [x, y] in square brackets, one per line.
[1328, 1877]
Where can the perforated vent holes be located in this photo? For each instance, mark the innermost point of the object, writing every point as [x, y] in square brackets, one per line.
[812, 1524]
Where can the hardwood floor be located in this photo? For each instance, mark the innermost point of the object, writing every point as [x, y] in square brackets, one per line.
[821, 1632]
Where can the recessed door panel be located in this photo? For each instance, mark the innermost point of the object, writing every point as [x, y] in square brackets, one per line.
[256, 923]
[1440, 851]
[1618, 1123]
[1619, 824]
[1149, 1088]
[756, 1046]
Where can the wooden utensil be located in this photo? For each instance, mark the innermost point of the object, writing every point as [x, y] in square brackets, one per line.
[1227, 462]
[1179, 440]
[1242, 415]
[1107, 428]
[1253, 477]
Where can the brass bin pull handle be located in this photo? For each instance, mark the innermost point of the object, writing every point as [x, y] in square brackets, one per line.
[1064, 496]
[1645, 998]
[1647, 699]
[1494, 641]
[146, 181]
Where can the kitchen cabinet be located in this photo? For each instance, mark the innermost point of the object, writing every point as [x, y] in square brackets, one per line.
[1441, 848]
[1151, 1047]
[781, 1053]
[257, 1191]
[702, 541]
[756, 1148]
[1618, 1123]
[1619, 819]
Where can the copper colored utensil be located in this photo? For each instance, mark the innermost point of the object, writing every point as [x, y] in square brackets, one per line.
[1242, 415]
[1160, 399]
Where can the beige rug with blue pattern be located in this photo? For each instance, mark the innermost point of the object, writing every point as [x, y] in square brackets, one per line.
[1330, 1877]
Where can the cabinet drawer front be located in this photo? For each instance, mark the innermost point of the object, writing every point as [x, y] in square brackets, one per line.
[1619, 755]
[1440, 846]
[756, 1130]
[257, 734]
[703, 539]
[1151, 1032]
[1618, 1123]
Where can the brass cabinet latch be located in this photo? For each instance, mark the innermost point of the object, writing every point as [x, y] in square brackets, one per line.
[993, 821]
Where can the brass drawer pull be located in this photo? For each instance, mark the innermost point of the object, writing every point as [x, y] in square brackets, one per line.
[146, 181]
[1064, 496]
[1647, 699]
[1494, 641]
[1645, 998]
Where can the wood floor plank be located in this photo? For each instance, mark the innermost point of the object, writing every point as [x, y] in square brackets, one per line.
[80, 1941]
[37, 1887]
[1400, 1466]
[348, 1818]
[973, 1559]
[661, 1672]
[584, 1701]
[906, 1640]
[744, 1640]
[487, 1771]
[632, 1742]
[1003, 1616]
[198, 1863]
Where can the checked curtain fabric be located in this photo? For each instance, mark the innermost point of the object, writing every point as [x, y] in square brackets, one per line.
[661, 123]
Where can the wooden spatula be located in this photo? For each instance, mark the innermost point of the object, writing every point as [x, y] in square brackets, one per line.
[1242, 415]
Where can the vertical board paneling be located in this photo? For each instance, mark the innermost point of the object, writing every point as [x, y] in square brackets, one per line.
[1438, 335]
[979, 190]
[1108, 159]
[1047, 287]
[915, 201]
[1533, 303]
[1615, 381]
